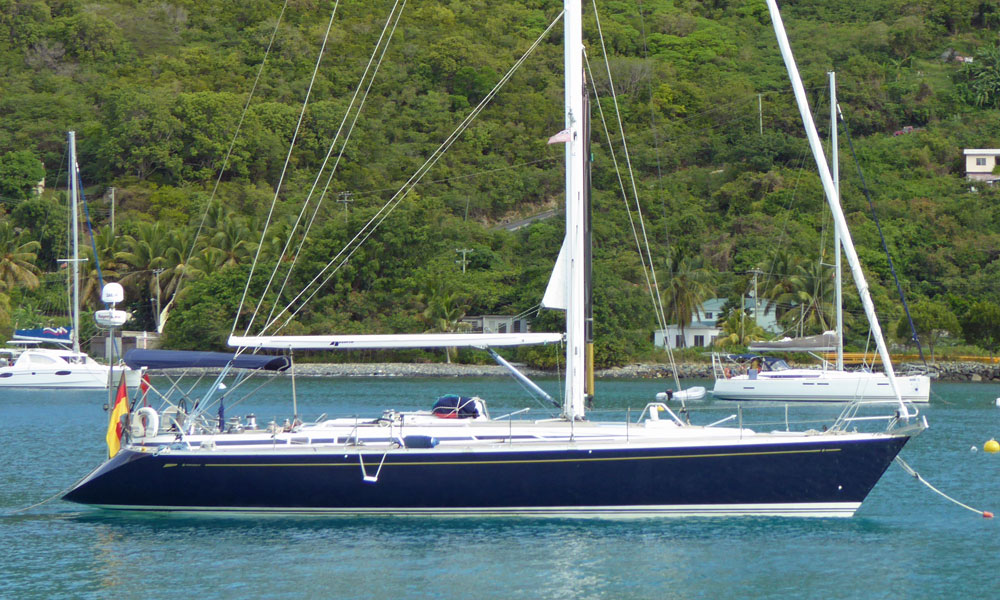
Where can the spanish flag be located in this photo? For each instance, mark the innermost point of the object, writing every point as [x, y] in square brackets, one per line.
[118, 413]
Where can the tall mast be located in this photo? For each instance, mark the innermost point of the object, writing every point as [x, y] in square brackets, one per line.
[74, 242]
[838, 278]
[831, 197]
[575, 214]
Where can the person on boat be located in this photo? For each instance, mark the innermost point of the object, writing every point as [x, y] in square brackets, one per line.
[754, 368]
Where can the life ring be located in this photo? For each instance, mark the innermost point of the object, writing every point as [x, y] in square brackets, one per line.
[149, 420]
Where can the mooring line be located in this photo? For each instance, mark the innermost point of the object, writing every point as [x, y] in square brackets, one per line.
[902, 463]
[37, 504]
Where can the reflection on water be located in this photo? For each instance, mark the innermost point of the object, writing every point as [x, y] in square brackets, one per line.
[110, 566]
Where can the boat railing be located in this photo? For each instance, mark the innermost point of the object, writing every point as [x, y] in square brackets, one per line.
[721, 421]
[718, 369]
[850, 414]
[512, 414]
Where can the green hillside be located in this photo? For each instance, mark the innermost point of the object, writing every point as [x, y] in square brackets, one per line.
[157, 91]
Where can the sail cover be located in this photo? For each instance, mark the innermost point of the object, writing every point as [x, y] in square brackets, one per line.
[183, 359]
[824, 342]
[59, 335]
[393, 341]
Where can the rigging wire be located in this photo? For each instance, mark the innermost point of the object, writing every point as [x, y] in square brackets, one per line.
[90, 229]
[885, 247]
[225, 160]
[392, 20]
[284, 169]
[650, 274]
[363, 234]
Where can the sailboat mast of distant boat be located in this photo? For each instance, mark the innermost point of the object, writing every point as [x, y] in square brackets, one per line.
[74, 260]
[838, 285]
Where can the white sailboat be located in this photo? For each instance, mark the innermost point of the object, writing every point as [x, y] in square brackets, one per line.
[457, 460]
[760, 377]
[66, 366]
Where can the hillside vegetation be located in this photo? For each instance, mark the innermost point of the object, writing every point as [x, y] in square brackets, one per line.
[156, 92]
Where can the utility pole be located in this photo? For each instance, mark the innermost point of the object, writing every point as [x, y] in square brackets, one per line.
[345, 198]
[760, 112]
[156, 315]
[112, 212]
[756, 301]
[462, 261]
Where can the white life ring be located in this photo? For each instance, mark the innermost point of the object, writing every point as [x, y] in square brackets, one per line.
[148, 420]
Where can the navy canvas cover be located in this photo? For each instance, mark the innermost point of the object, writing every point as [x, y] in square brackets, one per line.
[452, 406]
[183, 359]
[61, 335]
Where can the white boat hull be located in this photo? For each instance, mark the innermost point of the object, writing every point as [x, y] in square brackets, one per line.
[39, 368]
[816, 510]
[808, 385]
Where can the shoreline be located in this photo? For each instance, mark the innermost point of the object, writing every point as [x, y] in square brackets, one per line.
[942, 371]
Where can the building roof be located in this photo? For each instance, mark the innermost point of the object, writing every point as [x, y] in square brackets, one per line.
[986, 151]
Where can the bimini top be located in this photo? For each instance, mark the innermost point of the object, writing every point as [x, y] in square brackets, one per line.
[182, 359]
[57, 335]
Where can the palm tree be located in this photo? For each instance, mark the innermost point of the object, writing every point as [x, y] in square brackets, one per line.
[108, 245]
[5, 316]
[807, 298]
[208, 261]
[688, 286]
[445, 314]
[157, 258]
[233, 237]
[782, 278]
[17, 259]
[739, 329]
[444, 308]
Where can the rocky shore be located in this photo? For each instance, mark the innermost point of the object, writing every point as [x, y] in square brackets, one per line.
[942, 371]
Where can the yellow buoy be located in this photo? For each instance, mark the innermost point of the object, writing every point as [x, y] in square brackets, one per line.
[992, 446]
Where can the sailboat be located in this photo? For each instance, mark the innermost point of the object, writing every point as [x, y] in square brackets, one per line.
[457, 460]
[66, 366]
[759, 376]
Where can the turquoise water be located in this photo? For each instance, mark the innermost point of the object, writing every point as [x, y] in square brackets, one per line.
[905, 541]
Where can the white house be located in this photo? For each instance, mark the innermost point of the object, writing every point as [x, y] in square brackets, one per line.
[496, 324]
[703, 331]
[979, 164]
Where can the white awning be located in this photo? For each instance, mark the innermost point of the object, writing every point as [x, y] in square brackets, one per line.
[393, 341]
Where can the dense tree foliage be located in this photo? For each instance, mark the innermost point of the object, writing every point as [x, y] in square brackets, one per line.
[981, 325]
[160, 97]
[20, 173]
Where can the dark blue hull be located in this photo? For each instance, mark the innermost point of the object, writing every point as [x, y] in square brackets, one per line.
[826, 477]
